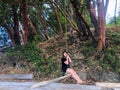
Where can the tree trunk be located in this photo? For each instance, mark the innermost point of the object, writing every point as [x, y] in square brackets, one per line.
[58, 19]
[106, 7]
[78, 17]
[115, 13]
[22, 32]
[70, 13]
[53, 28]
[25, 23]
[32, 26]
[92, 12]
[65, 14]
[82, 24]
[101, 25]
[45, 27]
[16, 28]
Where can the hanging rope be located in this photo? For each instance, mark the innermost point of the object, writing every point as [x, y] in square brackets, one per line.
[66, 37]
[66, 30]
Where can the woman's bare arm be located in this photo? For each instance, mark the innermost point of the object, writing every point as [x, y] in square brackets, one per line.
[68, 60]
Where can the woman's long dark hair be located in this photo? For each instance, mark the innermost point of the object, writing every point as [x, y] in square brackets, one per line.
[63, 53]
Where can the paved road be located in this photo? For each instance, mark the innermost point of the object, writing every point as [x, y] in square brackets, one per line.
[52, 86]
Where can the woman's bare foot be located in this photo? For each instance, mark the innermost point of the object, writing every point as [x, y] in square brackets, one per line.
[82, 82]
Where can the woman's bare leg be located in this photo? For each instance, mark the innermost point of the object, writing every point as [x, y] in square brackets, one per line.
[74, 75]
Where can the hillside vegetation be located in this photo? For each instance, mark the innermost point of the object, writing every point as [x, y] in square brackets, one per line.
[43, 59]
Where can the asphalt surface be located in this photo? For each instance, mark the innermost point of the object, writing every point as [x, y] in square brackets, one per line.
[52, 86]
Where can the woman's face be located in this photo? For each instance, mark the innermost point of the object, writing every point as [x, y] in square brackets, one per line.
[65, 54]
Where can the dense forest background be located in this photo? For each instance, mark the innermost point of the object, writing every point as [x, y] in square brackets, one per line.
[37, 32]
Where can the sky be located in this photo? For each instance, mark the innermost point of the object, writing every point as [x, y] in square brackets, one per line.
[111, 8]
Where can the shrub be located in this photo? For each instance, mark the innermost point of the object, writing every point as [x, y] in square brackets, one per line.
[31, 53]
[110, 60]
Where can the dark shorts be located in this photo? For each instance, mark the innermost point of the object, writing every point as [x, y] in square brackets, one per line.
[64, 69]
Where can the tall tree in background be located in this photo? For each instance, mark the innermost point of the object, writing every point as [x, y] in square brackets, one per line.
[70, 13]
[92, 11]
[57, 17]
[119, 12]
[30, 23]
[105, 6]
[5, 13]
[44, 23]
[25, 23]
[115, 21]
[78, 20]
[76, 5]
[16, 25]
[81, 22]
[101, 26]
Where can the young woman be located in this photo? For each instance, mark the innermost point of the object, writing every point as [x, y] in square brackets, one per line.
[66, 60]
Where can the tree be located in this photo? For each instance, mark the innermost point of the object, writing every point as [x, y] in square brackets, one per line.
[25, 22]
[46, 16]
[115, 13]
[92, 11]
[9, 18]
[105, 6]
[57, 17]
[101, 26]
[16, 25]
[45, 26]
[81, 23]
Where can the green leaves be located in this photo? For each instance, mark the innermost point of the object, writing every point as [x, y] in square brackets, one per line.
[112, 22]
[31, 53]
[110, 60]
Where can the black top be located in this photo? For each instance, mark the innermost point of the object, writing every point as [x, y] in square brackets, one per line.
[64, 66]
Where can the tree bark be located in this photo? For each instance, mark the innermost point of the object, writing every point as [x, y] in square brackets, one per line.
[53, 28]
[22, 32]
[105, 6]
[93, 17]
[65, 14]
[31, 25]
[25, 23]
[82, 24]
[70, 13]
[15, 27]
[78, 17]
[45, 27]
[115, 13]
[101, 25]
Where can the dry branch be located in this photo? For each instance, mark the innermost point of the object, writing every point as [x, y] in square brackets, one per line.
[50, 81]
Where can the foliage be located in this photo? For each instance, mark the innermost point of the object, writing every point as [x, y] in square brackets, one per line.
[53, 20]
[111, 22]
[36, 9]
[31, 54]
[111, 60]
[108, 59]
[116, 37]
[88, 47]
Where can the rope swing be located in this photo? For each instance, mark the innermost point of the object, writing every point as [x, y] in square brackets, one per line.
[66, 37]
[66, 46]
